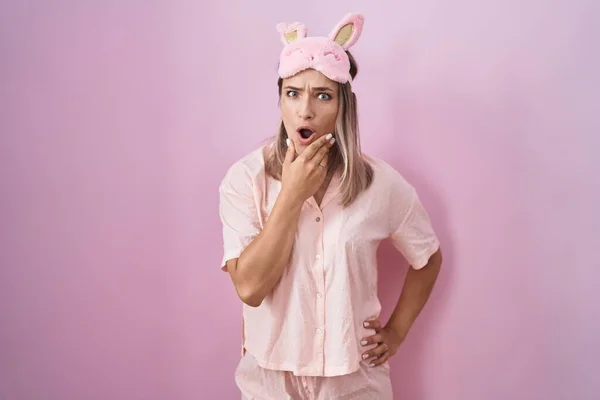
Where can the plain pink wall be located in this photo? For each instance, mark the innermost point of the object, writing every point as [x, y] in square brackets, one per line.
[119, 119]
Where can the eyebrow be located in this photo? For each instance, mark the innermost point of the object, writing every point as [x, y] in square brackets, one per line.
[315, 89]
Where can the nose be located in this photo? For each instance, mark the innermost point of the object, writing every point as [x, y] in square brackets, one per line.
[305, 109]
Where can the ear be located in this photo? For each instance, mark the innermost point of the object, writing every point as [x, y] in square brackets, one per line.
[348, 30]
[291, 32]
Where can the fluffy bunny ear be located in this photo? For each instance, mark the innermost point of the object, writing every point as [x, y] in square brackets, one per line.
[348, 30]
[291, 32]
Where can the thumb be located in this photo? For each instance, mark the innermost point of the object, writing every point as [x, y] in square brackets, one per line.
[290, 155]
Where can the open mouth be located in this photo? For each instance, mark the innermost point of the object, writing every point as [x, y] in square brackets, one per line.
[305, 133]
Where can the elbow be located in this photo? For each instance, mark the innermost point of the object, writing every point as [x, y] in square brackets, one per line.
[250, 297]
[249, 291]
[252, 302]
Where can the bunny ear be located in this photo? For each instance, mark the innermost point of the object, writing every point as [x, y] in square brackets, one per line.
[291, 32]
[348, 30]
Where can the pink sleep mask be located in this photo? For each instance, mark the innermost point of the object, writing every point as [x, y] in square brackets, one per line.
[324, 54]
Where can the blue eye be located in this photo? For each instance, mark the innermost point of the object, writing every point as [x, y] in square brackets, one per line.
[292, 93]
[324, 96]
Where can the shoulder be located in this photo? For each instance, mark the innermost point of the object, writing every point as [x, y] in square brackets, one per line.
[386, 177]
[245, 171]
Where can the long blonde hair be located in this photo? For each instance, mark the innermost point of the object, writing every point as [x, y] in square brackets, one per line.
[345, 155]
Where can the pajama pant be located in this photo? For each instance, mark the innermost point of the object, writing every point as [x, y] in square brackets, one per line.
[257, 383]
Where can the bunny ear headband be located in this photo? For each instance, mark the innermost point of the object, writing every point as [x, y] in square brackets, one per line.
[324, 54]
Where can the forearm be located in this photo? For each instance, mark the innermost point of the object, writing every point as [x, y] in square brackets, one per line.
[262, 263]
[417, 288]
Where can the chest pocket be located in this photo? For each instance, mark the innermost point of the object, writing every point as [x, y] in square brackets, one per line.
[361, 226]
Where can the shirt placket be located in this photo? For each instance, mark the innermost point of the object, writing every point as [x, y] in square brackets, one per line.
[319, 279]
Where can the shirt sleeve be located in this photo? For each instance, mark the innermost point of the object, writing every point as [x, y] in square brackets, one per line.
[414, 237]
[238, 213]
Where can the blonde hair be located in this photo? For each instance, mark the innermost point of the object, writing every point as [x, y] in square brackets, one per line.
[345, 155]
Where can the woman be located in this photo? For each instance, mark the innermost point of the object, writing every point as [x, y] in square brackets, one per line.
[302, 219]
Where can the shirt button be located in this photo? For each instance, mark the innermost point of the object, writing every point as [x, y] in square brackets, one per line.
[319, 331]
[319, 295]
[318, 256]
[318, 219]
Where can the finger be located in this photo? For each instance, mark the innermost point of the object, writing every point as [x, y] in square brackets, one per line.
[290, 153]
[322, 155]
[319, 161]
[375, 352]
[312, 148]
[322, 166]
[380, 360]
[373, 324]
[374, 339]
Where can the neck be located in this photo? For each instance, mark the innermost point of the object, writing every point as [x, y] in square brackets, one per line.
[323, 189]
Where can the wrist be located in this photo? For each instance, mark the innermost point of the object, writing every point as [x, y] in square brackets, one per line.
[290, 201]
[399, 331]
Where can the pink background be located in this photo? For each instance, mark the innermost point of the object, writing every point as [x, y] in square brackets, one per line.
[119, 119]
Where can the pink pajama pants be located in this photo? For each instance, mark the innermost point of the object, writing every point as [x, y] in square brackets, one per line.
[257, 383]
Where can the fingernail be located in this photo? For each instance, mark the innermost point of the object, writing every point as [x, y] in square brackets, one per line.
[364, 342]
[371, 365]
[366, 324]
[329, 136]
[332, 140]
[365, 356]
[287, 141]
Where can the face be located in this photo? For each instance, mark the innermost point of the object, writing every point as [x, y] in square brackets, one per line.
[309, 107]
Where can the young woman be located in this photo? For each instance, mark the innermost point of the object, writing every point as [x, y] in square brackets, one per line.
[302, 219]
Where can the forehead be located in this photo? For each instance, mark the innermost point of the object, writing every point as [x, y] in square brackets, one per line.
[310, 78]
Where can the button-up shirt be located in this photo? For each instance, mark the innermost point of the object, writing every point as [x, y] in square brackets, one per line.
[312, 322]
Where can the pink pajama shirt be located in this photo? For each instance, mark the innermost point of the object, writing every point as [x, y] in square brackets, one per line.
[308, 330]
